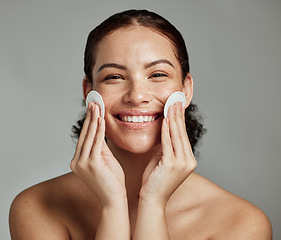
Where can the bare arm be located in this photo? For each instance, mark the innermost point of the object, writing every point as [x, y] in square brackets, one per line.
[151, 222]
[94, 163]
[165, 173]
[114, 223]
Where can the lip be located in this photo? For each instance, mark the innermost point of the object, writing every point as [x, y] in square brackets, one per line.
[133, 112]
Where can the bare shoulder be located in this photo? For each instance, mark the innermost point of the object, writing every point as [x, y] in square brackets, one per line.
[47, 210]
[219, 214]
[237, 218]
[245, 221]
[32, 215]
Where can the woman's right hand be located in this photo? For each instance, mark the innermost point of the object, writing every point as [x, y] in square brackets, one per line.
[94, 163]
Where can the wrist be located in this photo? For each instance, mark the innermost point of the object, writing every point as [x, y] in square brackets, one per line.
[119, 203]
[115, 211]
[151, 220]
[152, 204]
[152, 201]
[114, 221]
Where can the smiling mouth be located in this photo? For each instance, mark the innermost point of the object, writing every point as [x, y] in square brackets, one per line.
[138, 119]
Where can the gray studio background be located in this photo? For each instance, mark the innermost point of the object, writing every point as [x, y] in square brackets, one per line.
[235, 57]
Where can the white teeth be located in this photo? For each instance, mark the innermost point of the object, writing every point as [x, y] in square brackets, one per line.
[138, 119]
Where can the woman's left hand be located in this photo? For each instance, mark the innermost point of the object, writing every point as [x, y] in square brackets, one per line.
[174, 161]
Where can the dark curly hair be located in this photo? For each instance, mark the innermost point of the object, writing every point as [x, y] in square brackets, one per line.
[194, 127]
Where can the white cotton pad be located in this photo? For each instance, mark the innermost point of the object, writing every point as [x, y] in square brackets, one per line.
[174, 97]
[95, 97]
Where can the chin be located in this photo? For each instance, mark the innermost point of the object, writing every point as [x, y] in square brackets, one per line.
[139, 145]
[140, 149]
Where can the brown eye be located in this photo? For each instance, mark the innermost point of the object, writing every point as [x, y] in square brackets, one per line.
[113, 77]
[158, 75]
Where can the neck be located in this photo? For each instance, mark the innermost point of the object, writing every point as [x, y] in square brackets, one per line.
[133, 165]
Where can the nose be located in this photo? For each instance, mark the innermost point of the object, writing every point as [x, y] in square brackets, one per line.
[137, 93]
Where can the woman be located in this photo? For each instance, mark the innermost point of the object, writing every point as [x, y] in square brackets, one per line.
[139, 183]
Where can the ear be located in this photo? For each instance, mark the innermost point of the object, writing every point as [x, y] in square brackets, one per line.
[188, 89]
[87, 87]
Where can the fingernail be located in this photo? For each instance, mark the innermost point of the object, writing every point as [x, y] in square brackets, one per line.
[94, 107]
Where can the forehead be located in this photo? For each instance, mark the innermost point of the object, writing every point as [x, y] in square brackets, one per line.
[135, 41]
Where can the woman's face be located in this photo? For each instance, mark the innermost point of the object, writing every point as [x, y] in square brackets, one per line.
[135, 71]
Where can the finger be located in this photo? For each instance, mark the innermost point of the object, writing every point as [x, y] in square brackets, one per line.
[105, 147]
[183, 132]
[90, 135]
[83, 132]
[98, 141]
[167, 148]
[180, 116]
[182, 128]
[175, 131]
[179, 138]
[187, 154]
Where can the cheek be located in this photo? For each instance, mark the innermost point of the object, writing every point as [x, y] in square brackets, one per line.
[109, 97]
[163, 93]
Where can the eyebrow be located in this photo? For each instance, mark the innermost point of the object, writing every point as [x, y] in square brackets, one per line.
[118, 66]
[112, 65]
[160, 61]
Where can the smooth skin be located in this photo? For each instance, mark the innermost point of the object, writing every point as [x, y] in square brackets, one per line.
[141, 184]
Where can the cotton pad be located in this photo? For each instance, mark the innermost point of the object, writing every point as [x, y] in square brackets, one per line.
[174, 97]
[95, 97]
